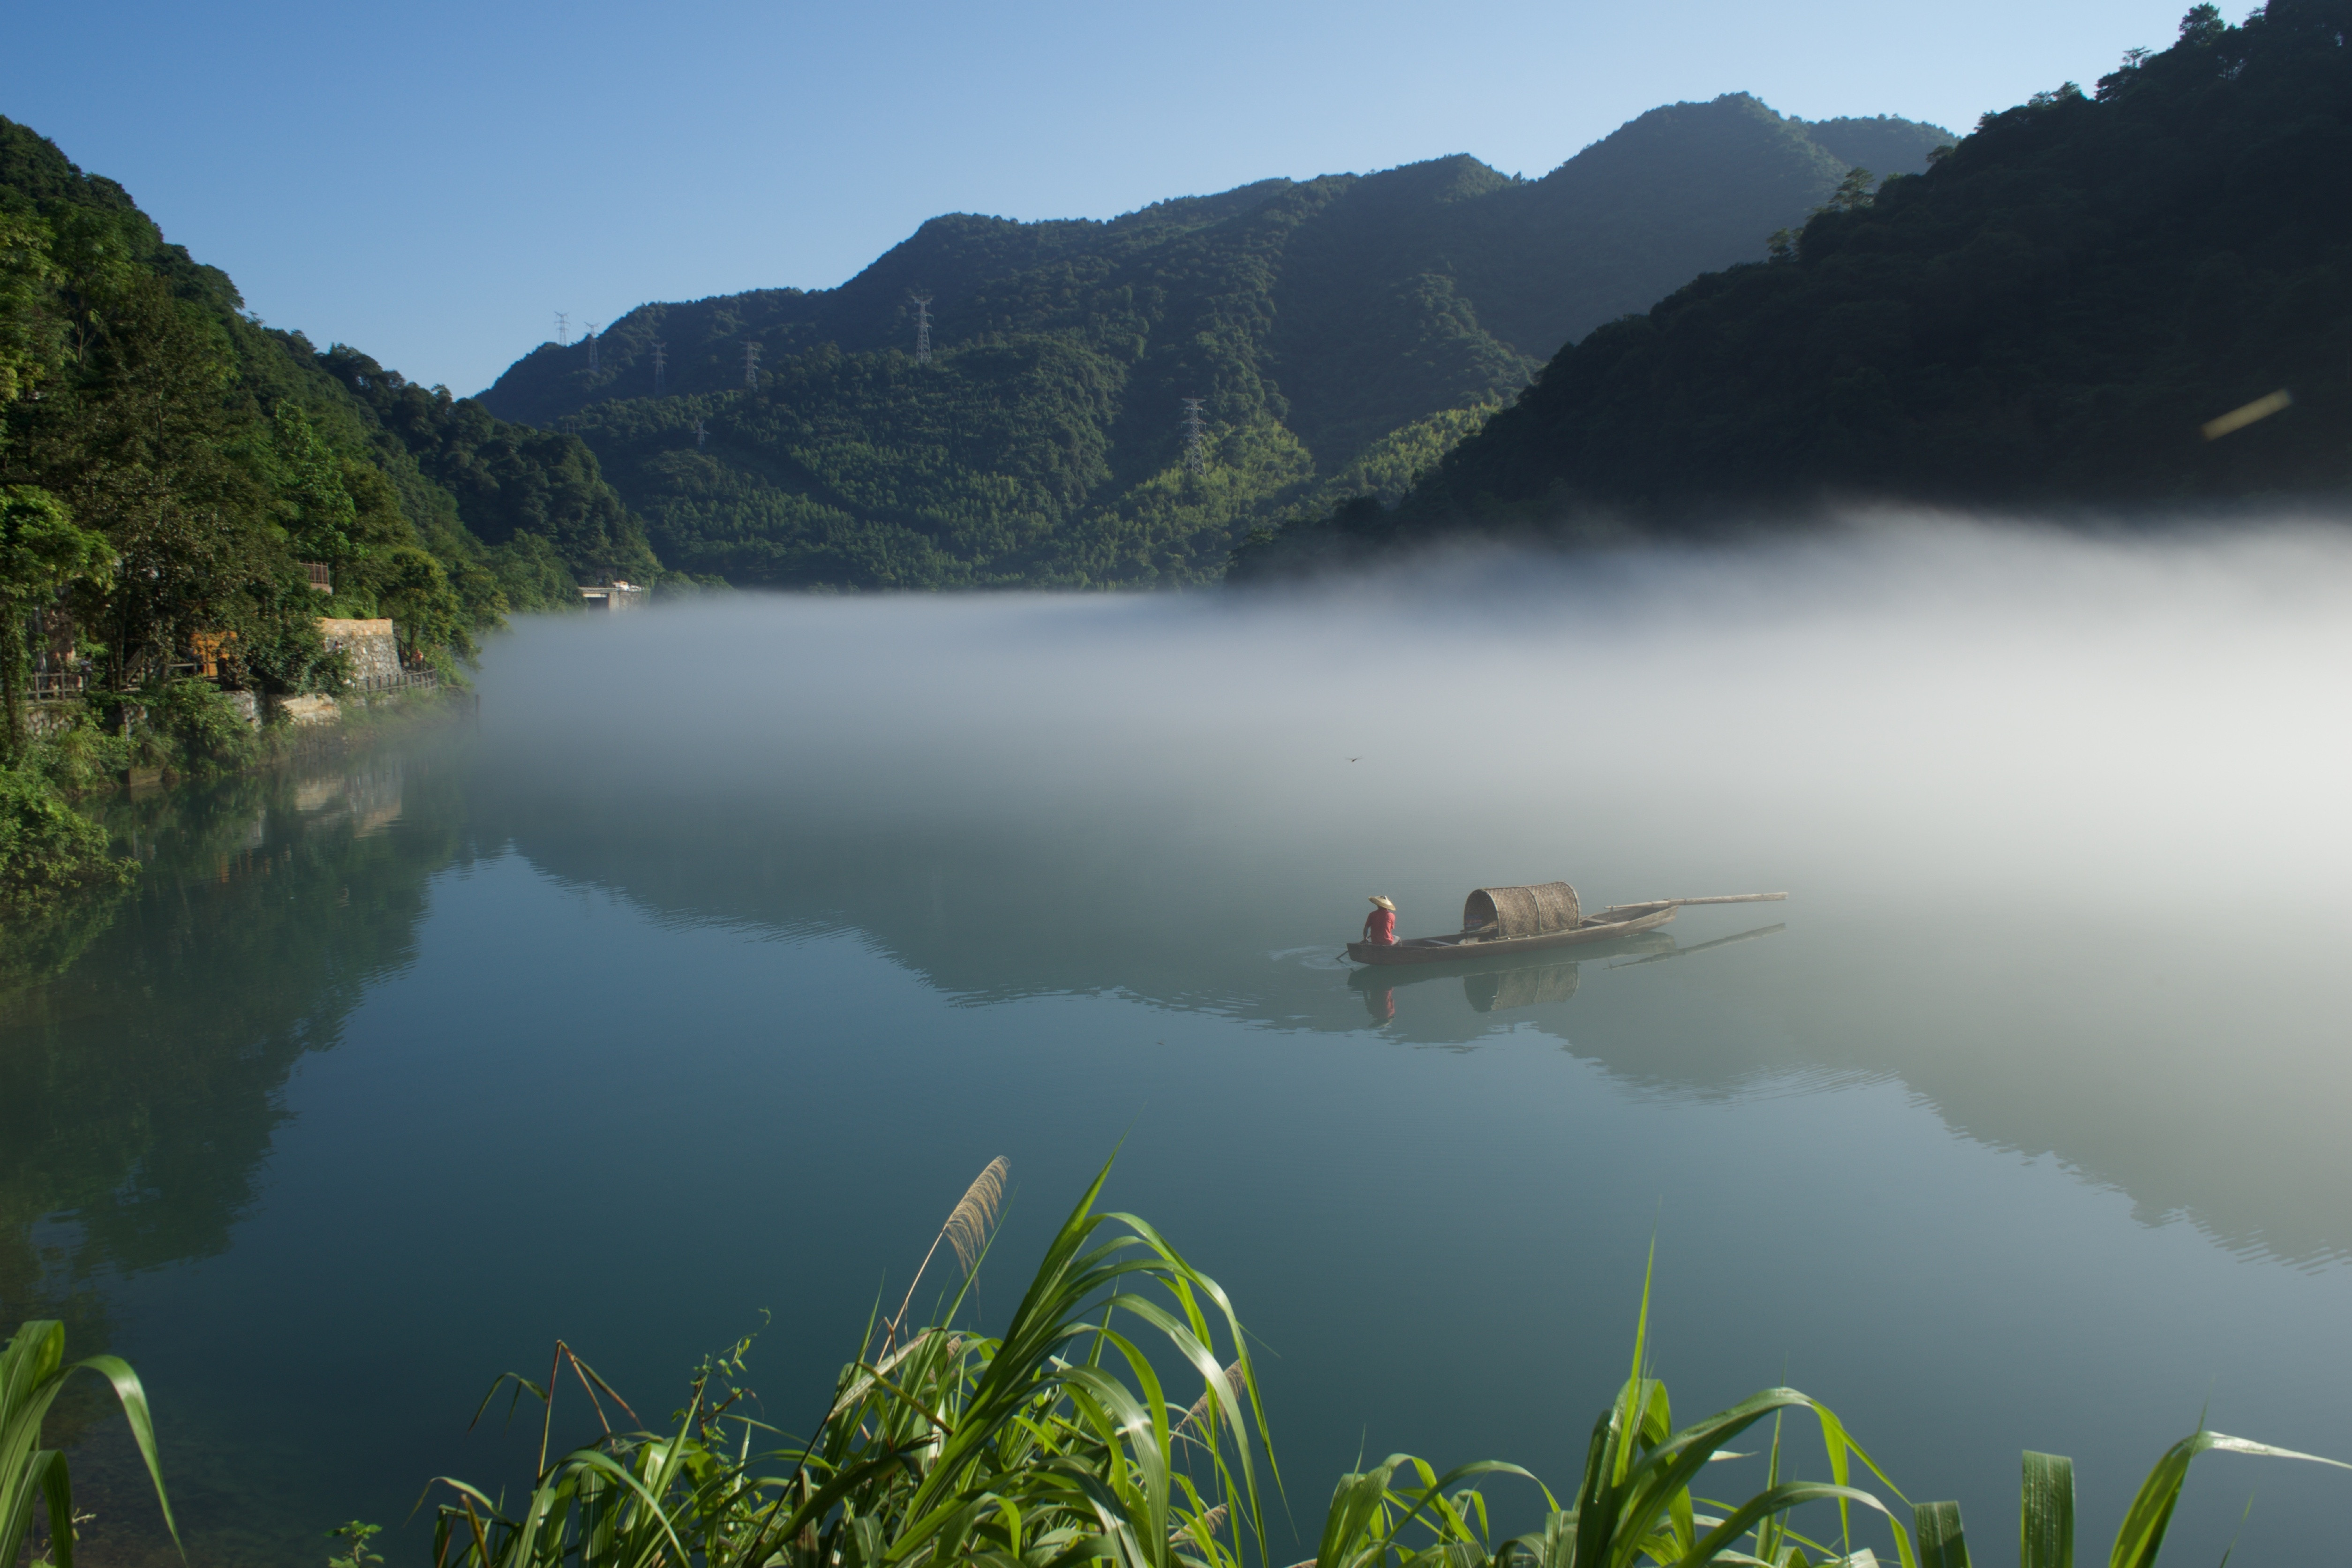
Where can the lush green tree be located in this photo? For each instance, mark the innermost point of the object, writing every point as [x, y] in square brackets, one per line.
[217, 457]
[42, 553]
[28, 347]
[142, 436]
[47, 848]
[415, 591]
[512, 485]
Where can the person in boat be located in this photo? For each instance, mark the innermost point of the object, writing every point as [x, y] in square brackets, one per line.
[1380, 926]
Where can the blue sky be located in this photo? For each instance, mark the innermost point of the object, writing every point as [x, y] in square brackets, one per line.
[432, 182]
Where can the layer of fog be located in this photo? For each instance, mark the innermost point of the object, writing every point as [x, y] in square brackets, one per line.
[2061, 819]
[1997, 714]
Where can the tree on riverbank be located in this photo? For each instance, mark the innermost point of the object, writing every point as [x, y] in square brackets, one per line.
[42, 553]
[219, 459]
[175, 473]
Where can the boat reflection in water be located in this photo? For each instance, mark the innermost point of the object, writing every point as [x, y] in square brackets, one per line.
[1533, 979]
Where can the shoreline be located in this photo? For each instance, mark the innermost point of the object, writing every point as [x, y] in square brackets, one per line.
[55, 851]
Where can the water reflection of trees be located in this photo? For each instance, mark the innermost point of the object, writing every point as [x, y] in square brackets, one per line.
[2081, 1033]
[146, 1039]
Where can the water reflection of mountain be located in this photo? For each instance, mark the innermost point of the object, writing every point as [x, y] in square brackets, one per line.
[145, 1052]
[2202, 1083]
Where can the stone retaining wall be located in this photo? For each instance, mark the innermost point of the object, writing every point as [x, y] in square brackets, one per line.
[374, 654]
[51, 718]
[303, 711]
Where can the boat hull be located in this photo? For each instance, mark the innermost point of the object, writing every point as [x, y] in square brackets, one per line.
[1449, 950]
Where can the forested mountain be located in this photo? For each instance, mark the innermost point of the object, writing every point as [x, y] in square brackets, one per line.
[173, 463]
[1341, 333]
[2051, 314]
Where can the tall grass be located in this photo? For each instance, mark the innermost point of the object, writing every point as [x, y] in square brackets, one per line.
[33, 1372]
[1054, 1445]
[1060, 1443]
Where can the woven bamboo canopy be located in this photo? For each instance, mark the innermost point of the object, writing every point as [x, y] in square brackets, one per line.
[1522, 911]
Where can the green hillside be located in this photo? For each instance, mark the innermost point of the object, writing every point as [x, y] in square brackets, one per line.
[1342, 332]
[142, 406]
[2050, 315]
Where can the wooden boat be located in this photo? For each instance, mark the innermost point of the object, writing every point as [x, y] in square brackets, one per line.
[1498, 921]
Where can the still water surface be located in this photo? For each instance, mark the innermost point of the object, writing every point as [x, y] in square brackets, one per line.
[689, 989]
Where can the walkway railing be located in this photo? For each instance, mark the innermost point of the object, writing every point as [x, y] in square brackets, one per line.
[52, 685]
[56, 684]
[406, 680]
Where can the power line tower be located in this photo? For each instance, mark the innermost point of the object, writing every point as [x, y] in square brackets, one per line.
[661, 367]
[700, 435]
[592, 346]
[1196, 458]
[922, 328]
[562, 326]
[752, 365]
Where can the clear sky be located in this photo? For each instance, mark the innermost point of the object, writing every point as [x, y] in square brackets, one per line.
[431, 182]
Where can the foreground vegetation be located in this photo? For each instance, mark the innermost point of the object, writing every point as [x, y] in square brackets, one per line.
[1060, 1443]
[2051, 315]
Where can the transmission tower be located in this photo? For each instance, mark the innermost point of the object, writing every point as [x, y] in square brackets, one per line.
[592, 346]
[700, 435]
[922, 328]
[661, 365]
[562, 326]
[1195, 458]
[752, 365]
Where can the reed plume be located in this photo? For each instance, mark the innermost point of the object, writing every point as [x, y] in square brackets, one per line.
[1201, 1405]
[966, 1230]
[1202, 1529]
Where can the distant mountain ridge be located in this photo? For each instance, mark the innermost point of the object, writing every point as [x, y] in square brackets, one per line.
[2058, 314]
[1341, 333]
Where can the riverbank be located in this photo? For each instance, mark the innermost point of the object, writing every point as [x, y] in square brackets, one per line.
[79, 750]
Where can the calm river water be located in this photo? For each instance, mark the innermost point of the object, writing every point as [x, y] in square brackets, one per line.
[686, 989]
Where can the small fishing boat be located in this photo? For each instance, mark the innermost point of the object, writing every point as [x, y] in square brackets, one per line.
[1497, 921]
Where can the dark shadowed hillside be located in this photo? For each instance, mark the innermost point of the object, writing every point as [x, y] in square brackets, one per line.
[1341, 333]
[2054, 314]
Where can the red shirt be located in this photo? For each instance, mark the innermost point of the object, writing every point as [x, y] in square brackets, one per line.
[1379, 927]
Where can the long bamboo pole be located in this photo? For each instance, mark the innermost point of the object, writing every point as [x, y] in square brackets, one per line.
[1716, 899]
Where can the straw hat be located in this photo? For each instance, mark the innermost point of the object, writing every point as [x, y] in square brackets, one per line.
[1384, 903]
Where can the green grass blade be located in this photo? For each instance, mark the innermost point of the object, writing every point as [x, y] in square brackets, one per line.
[1627, 1426]
[56, 1494]
[2141, 1536]
[1715, 1545]
[1942, 1542]
[2045, 1512]
[132, 1397]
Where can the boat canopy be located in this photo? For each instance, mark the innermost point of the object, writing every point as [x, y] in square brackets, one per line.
[1522, 911]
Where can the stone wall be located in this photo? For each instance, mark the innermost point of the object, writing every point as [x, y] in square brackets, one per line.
[51, 718]
[304, 712]
[370, 645]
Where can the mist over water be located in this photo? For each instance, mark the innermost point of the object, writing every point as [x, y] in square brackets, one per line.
[745, 931]
[1998, 724]
[2061, 819]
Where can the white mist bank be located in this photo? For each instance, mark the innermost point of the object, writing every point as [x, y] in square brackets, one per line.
[1979, 710]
